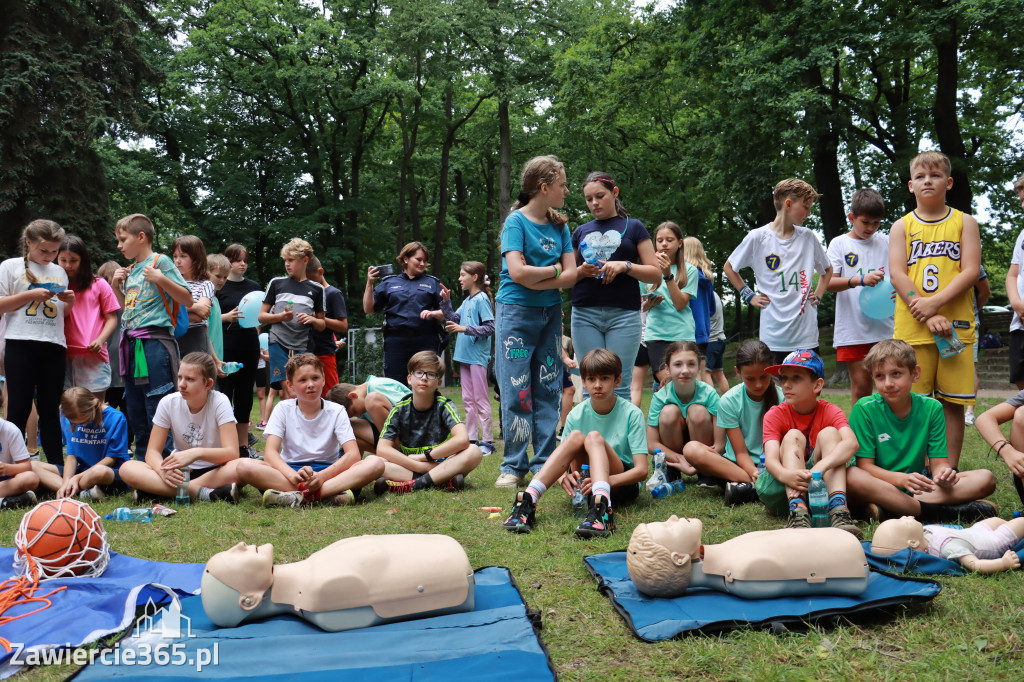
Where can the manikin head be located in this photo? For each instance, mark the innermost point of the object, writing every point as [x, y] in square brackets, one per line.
[659, 555]
[248, 571]
[896, 534]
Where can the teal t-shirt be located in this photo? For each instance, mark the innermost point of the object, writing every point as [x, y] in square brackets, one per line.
[143, 306]
[622, 428]
[542, 246]
[394, 391]
[737, 409]
[899, 445]
[216, 329]
[664, 322]
[702, 395]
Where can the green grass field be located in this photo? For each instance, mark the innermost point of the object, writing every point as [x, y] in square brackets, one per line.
[972, 630]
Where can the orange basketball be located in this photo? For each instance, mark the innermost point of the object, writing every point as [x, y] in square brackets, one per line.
[59, 533]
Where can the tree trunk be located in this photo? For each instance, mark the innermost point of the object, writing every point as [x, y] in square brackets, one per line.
[504, 163]
[462, 211]
[947, 122]
[824, 155]
[441, 224]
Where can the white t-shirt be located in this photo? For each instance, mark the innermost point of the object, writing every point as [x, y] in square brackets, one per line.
[784, 271]
[199, 430]
[36, 321]
[850, 258]
[12, 444]
[1018, 260]
[309, 440]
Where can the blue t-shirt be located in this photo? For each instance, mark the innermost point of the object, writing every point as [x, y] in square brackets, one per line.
[702, 305]
[474, 350]
[90, 443]
[612, 239]
[542, 246]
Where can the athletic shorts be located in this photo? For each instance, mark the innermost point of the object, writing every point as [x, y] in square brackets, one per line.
[566, 378]
[1016, 356]
[279, 357]
[854, 353]
[90, 371]
[330, 363]
[315, 466]
[644, 360]
[625, 494]
[950, 379]
[715, 356]
[115, 488]
[262, 376]
[196, 473]
[773, 494]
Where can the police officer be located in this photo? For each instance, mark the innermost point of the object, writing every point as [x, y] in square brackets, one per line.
[403, 297]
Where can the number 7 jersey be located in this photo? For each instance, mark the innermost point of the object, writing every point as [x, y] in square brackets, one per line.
[933, 260]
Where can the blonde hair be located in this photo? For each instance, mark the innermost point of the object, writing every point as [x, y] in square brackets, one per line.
[205, 363]
[900, 352]
[426, 360]
[217, 261]
[693, 252]
[35, 232]
[297, 248]
[791, 188]
[931, 160]
[79, 403]
[134, 224]
[540, 170]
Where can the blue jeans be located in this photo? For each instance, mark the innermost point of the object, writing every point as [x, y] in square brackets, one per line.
[528, 367]
[140, 401]
[616, 329]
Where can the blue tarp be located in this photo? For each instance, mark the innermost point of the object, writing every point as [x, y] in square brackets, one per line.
[921, 563]
[705, 610]
[496, 641]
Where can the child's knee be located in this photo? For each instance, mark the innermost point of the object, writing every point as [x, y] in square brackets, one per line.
[244, 468]
[795, 438]
[670, 416]
[697, 415]
[595, 438]
[574, 440]
[374, 465]
[1018, 416]
[828, 437]
[26, 480]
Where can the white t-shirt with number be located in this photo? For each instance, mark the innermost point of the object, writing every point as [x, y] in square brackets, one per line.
[852, 258]
[199, 430]
[310, 440]
[784, 271]
[36, 321]
[1018, 260]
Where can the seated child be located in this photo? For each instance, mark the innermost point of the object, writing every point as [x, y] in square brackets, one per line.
[423, 439]
[1012, 450]
[605, 432]
[683, 410]
[368, 406]
[301, 462]
[97, 445]
[202, 425]
[17, 480]
[740, 413]
[901, 464]
[985, 547]
[803, 435]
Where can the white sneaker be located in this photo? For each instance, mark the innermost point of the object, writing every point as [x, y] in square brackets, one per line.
[510, 481]
[969, 418]
[344, 498]
[290, 498]
[93, 494]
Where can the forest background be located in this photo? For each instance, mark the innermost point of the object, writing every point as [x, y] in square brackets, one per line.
[362, 125]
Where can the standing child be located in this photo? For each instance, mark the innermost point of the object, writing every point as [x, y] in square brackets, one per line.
[670, 316]
[241, 344]
[684, 409]
[190, 258]
[859, 258]
[801, 436]
[97, 439]
[934, 259]
[368, 406]
[301, 463]
[715, 363]
[91, 323]
[322, 341]
[740, 413]
[218, 267]
[34, 295]
[205, 441]
[784, 256]
[703, 303]
[17, 480]
[536, 261]
[1015, 292]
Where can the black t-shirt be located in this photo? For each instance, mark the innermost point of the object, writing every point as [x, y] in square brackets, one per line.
[335, 309]
[614, 239]
[230, 295]
[416, 431]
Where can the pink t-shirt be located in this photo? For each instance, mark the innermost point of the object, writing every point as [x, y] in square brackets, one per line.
[86, 319]
[783, 417]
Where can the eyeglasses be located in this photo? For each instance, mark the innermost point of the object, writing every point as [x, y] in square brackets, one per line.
[420, 374]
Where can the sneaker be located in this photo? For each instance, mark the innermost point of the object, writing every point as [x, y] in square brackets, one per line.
[139, 496]
[969, 418]
[23, 500]
[383, 485]
[261, 425]
[600, 522]
[968, 512]
[252, 454]
[739, 493]
[344, 498]
[93, 494]
[840, 518]
[800, 518]
[710, 482]
[252, 438]
[280, 498]
[523, 516]
[510, 481]
[456, 482]
[227, 493]
[486, 447]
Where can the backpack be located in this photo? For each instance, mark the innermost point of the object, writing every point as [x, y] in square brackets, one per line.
[991, 340]
[177, 312]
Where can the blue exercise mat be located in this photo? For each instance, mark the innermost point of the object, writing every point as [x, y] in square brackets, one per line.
[91, 608]
[921, 563]
[704, 610]
[495, 641]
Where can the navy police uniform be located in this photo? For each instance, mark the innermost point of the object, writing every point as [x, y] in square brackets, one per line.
[405, 333]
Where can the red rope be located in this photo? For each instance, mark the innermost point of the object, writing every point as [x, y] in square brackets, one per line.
[21, 590]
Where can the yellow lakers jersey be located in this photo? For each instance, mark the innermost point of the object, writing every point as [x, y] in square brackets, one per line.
[933, 260]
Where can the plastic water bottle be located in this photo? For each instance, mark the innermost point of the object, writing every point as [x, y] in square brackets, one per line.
[140, 514]
[1017, 514]
[817, 495]
[181, 497]
[658, 484]
[232, 367]
[580, 505]
[590, 256]
[760, 466]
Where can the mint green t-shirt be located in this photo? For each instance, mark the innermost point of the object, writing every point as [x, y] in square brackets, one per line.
[143, 306]
[216, 329]
[622, 428]
[664, 322]
[394, 391]
[737, 409]
[899, 445]
[702, 395]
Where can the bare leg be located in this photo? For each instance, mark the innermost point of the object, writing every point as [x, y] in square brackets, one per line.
[141, 476]
[865, 488]
[361, 473]
[20, 483]
[792, 455]
[48, 476]
[860, 381]
[570, 449]
[567, 395]
[708, 461]
[835, 478]
[671, 425]
[721, 383]
[970, 485]
[364, 435]
[459, 463]
[259, 475]
[636, 386]
[954, 415]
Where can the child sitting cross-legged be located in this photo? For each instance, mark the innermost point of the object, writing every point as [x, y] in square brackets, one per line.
[17, 478]
[902, 464]
[301, 462]
[605, 432]
[424, 440]
[804, 435]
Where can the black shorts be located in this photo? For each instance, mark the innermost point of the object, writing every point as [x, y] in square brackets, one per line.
[1016, 356]
[262, 377]
[642, 358]
[625, 494]
[715, 357]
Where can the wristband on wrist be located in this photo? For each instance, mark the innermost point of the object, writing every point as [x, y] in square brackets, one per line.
[862, 280]
[849, 282]
[746, 293]
[999, 450]
[558, 271]
[426, 453]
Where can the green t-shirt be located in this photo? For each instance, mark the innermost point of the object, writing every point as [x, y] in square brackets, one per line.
[622, 428]
[703, 395]
[895, 444]
[394, 391]
[736, 409]
[664, 322]
[142, 304]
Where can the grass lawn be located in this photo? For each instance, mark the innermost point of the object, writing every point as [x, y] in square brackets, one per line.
[972, 630]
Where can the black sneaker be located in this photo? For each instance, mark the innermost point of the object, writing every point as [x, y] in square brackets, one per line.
[253, 439]
[967, 512]
[13, 501]
[456, 482]
[227, 493]
[801, 518]
[523, 516]
[600, 521]
[704, 481]
[840, 518]
[739, 493]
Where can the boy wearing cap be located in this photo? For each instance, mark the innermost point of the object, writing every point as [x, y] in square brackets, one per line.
[803, 435]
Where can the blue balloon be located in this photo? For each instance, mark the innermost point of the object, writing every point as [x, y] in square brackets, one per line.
[249, 307]
[877, 301]
[265, 341]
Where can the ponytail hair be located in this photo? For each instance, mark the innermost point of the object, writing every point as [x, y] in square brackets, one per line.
[83, 280]
[606, 180]
[35, 232]
[205, 363]
[693, 252]
[756, 352]
[479, 270]
[540, 170]
[679, 347]
[79, 403]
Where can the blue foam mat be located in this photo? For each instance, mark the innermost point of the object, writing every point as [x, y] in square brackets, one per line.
[704, 610]
[496, 641]
[921, 563]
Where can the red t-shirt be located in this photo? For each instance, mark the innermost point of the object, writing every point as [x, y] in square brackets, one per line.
[781, 418]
